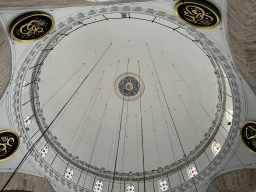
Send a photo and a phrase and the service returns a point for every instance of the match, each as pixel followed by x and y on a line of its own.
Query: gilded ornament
pixel 9 144
pixel 197 14
pixel 31 26
pixel 248 135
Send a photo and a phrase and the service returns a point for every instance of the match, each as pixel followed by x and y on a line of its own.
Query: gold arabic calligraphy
pixel 33 28
pixel 197 15
pixel 250 131
pixel 6 145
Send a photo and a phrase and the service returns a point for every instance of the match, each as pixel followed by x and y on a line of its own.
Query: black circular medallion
pixel 9 143
pixel 197 14
pixel 31 26
pixel 248 135
pixel 129 86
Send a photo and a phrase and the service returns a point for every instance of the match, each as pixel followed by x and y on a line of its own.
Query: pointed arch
pixel 43 151
pixel 69 173
pixel 163 185
pixel 192 172
pixel 130 188
pixel 98 186
pixel 216 147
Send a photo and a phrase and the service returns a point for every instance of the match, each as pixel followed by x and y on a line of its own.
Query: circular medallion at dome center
pixel 129 86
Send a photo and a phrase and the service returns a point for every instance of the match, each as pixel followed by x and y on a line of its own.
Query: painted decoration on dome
pixel 43 152
pixel 197 14
pixel 248 135
pixel 9 144
pixel 229 115
pixel 216 148
pixel 98 186
pixel 31 26
pixel 129 86
pixel 69 174
pixel 27 121
pixel 24 87
pixel 163 185
pixel 131 188
pixel 192 172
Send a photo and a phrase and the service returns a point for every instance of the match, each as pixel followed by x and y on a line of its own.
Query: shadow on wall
pixel 236 181
pixel 24 182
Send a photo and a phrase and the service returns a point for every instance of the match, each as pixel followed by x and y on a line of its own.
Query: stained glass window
pixel 24 85
pixel 192 172
pixel 163 185
pixel 98 186
pixel 43 152
pixel 216 148
pixel 69 173
pixel 130 188
pixel 229 115
pixel 27 121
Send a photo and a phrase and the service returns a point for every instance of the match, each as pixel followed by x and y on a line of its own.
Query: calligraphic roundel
pixel 197 14
pixel 248 135
pixel 31 26
pixel 9 144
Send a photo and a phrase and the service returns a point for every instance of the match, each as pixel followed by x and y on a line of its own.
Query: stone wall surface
pixel 25 182
pixel 234 181
pixel 242 36
pixel 5 62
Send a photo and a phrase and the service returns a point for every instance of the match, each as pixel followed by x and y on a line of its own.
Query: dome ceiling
pixel 178 79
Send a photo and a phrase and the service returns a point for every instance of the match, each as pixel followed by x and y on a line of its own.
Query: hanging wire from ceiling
pixel 33 146
pixel 142 143
pixel 170 114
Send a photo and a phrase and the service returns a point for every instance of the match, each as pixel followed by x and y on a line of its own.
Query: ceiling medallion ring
pixel 129 86
pixel 31 26
pixel 197 14
pixel 15 105
pixel 124 176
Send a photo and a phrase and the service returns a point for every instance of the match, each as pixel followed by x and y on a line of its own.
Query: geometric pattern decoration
pixel 130 188
pixel 197 14
pixel 216 148
pixel 192 172
pixel 43 152
pixel 129 86
pixel 69 174
pixel 98 186
pixel 27 121
pixel 163 185
pixel 31 26
pixel 24 87
pixel 229 115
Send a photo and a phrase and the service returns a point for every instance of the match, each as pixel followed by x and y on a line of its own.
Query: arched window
pixel 192 172
pixel 131 188
pixel 25 83
pixel 229 115
pixel 69 173
pixel 98 186
pixel 27 121
pixel 163 185
pixel 216 148
pixel 43 152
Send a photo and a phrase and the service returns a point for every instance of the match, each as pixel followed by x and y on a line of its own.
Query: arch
pixel 163 185
pixel 229 181
pixel 216 147
pixel 98 186
pixel 192 172
pixel 131 188
pixel 43 152
pixel 69 173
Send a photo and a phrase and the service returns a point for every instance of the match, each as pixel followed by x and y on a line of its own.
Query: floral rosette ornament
pixel 27 121
pixel 43 152
pixel 163 185
pixel 130 188
pixel 98 186
pixel 192 172
pixel 68 174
